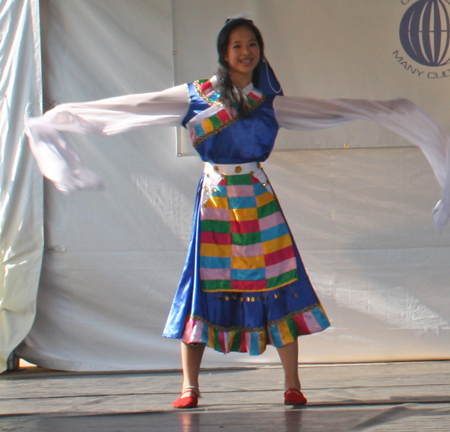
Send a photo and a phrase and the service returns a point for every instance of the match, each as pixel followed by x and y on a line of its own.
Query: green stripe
pixel 245 239
pixel 250 101
pixel 223 227
pixel 244 179
pixel 293 327
pixel 236 345
pixel 268 209
pixel 289 276
pixel 215 285
pixel 215 121
pixel 217 346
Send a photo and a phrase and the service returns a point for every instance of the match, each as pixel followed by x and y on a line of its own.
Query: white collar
pixel 246 90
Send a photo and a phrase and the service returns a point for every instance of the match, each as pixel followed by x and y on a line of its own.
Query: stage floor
pixel 397 397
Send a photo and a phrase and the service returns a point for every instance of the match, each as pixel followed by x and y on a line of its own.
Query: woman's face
pixel 242 55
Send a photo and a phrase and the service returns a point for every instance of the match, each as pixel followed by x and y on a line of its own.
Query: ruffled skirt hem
pixel 254 340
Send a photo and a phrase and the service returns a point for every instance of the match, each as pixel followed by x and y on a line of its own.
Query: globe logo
pixel 425 32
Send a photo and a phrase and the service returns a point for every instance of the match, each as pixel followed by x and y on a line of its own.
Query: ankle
pixel 189 385
pixel 190 391
pixel 290 384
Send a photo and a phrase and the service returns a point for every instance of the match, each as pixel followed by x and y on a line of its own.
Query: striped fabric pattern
pixel 245 244
pixel 212 96
pixel 207 91
pixel 221 117
pixel 254 341
pixel 207 127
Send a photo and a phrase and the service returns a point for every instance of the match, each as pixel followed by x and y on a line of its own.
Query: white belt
pixel 231 169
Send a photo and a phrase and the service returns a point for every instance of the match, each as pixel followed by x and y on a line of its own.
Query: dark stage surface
pixel 361 397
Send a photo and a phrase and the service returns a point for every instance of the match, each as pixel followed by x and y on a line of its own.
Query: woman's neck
pixel 241 81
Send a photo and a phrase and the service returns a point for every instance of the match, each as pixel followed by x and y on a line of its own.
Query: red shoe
pixel 188 401
pixel 293 396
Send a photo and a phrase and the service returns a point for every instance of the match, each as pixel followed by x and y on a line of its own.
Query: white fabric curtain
pixel 21 214
pixel 360 213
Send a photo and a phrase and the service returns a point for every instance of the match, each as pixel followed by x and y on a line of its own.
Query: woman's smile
pixel 243 55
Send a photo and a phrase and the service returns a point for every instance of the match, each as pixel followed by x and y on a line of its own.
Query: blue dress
pixel 230 297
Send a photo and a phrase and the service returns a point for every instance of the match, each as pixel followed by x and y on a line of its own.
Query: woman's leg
pixel 191 359
pixel 289 359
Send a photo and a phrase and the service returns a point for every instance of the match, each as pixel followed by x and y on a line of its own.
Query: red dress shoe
pixel 293 396
pixel 187 401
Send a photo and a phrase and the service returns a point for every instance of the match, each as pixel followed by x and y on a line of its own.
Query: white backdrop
pixel 357 198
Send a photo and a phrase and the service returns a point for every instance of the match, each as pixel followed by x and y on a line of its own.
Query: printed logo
pixel 425 37
pixel 425 33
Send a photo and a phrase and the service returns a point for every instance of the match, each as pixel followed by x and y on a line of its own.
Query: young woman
pixel 244 284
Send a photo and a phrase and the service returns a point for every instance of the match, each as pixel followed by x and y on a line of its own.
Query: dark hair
pixel 228 91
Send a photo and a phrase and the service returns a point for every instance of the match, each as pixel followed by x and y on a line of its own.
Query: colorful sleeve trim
pixel 221 117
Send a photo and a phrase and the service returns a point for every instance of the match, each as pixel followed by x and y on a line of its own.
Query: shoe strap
pixel 191 389
pixel 293 391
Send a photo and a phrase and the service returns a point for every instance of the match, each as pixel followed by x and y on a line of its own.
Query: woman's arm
pixel 399 115
pixel 104 117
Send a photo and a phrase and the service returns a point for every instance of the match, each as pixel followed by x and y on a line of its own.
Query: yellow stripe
pixel 207 249
pixel 244 214
pixel 285 333
pixel 217 202
pixel 207 126
pixel 277 244
pixel 262 341
pixel 323 311
pixel 264 199
pixel 210 337
pixel 231 335
pixel 248 262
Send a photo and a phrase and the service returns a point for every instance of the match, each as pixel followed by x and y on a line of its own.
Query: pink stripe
pixel 312 323
pixel 280 268
pixel 248 341
pixel 197 332
pixel 187 331
pixel 247 251
pixel 223 342
pixel 214 213
pixel 240 191
pixel 215 274
pixel 271 221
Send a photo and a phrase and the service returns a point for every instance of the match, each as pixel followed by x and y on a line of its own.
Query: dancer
pixel 244 279
pixel 243 285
